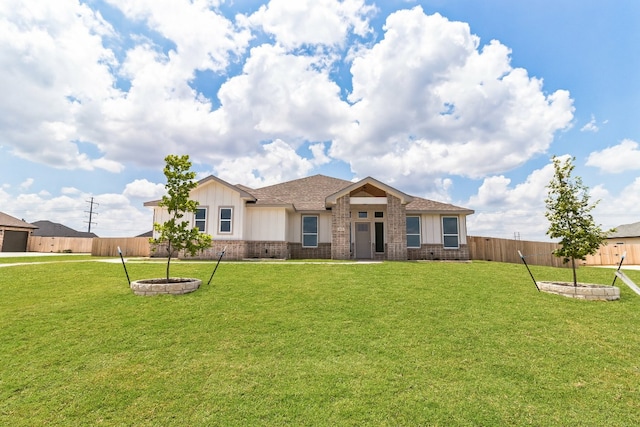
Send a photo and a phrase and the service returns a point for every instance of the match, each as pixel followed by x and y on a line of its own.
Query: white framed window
pixel 450 233
pixel 363 214
pixel 225 220
pixel 413 232
pixel 200 219
pixel 309 231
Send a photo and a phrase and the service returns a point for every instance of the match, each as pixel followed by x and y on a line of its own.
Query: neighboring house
pixel 625 234
pixel 14 233
pixel 54 229
pixel 324 217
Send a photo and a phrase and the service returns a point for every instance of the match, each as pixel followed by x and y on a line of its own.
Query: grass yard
pixel 443 344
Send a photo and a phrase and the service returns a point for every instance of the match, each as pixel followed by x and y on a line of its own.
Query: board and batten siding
pixel 214 196
pixel 266 224
pixel 294 229
pixel 432 229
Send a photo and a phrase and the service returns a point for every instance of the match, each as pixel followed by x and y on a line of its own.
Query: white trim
pixel 444 235
pixel 368 200
pixel 220 220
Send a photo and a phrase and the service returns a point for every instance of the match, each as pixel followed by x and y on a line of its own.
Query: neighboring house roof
pixel 626 230
pixel 9 221
pixel 54 229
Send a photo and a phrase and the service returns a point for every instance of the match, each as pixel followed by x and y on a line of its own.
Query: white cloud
pixel 114 215
pixel 70 191
pixel 26 184
pixel 313 22
pixel 503 209
pixel 277 162
pixel 591 126
pixel 204 39
pixel 52 64
pixel 144 189
pixel 448 109
pixel 618 158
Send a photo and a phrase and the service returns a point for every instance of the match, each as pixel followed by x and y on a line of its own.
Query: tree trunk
pixel 575 277
pixel 168 259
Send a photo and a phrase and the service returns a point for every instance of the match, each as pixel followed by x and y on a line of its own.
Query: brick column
pixel 340 220
pixel 396 229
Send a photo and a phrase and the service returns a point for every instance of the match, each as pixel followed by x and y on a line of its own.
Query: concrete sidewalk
pixel 24 254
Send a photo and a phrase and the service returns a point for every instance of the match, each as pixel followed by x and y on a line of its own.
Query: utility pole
pixel 91 213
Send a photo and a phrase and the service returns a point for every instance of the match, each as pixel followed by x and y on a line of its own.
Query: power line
pixel 91 213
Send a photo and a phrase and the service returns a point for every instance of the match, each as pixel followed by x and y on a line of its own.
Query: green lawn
pixel 470 344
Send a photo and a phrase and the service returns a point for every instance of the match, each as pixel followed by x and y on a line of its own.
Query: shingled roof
pixel 9 221
pixel 304 194
pixel 626 230
pixel 311 193
pixel 54 229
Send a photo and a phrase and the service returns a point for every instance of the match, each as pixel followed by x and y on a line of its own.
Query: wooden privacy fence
pixel 59 244
pixel 612 253
pixel 506 250
pixel 540 253
pixel 130 246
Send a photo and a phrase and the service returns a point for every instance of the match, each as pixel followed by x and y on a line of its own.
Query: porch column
pixel 340 220
pixel 396 229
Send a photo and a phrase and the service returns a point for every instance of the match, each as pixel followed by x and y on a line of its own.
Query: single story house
pixel 14 233
pixel 324 217
pixel 55 229
pixel 628 234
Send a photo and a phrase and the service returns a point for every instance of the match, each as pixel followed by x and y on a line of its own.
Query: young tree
pixel 178 234
pixel 568 212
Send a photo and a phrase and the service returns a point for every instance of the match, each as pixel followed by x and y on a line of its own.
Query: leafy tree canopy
pixel 179 234
pixel 569 215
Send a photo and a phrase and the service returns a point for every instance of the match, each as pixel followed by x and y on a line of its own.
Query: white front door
pixel 363 240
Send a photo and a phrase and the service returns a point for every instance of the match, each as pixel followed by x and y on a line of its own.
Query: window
pixel 413 231
pixel 450 237
pixel 200 219
pixel 378 214
pixel 226 219
pixel 379 237
pixel 362 215
pixel 309 231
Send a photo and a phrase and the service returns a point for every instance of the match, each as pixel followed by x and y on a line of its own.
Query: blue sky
pixel 458 101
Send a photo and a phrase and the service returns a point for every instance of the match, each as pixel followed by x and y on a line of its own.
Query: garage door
pixel 15 241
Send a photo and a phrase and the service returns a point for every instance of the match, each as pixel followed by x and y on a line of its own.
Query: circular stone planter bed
pixel 176 286
pixel 582 291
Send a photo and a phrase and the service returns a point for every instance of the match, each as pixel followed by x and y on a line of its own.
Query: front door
pixel 363 240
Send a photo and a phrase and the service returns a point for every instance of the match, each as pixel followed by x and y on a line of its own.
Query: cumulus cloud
pixel 451 108
pixel 428 100
pixel 618 158
pixel 313 22
pixel 26 184
pixel 503 209
pixel 52 64
pixel 591 126
pixel 144 189
pixel 114 214
pixel 275 163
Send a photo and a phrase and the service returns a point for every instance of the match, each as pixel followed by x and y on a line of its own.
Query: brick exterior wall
pixel 235 249
pixel 396 229
pixel 323 251
pixel 340 226
pixel 437 252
